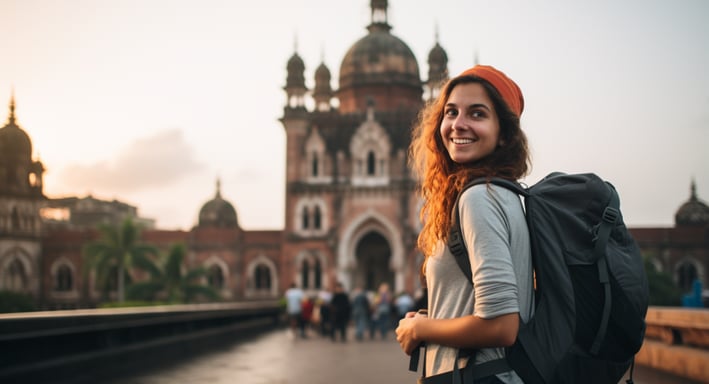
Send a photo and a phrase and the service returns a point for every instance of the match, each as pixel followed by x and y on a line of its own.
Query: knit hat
pixel 507 88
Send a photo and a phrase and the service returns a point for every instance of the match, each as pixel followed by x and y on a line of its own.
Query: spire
pixel 219 188
pixel 693 191
pixel 380 20
pixel 295 42
pixel 11 119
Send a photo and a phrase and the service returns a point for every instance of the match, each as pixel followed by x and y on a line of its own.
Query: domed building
pixel 683 250
pixel 694 212
pixel 350 210
pixel 21 199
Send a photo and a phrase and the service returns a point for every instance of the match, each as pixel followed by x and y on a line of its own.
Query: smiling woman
pixel 471 131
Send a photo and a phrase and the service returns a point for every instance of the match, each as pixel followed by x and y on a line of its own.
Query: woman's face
pixel 470 128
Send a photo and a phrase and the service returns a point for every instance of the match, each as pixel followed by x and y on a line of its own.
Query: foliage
pixel 11 301
pixel 663 290
pixel 168 281
pixel 117 247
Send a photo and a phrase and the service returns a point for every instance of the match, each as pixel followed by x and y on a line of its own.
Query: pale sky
pixel 150 101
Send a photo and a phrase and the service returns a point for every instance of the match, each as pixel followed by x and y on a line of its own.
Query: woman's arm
pixel 461 332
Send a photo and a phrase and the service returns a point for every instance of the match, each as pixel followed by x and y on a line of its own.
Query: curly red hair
pixel 441 179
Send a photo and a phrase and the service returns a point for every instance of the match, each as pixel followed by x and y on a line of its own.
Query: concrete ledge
pixel 688 362
pixel 687 326
pixel 47 346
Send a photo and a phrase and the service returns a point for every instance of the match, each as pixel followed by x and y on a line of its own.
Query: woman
pixel 471 131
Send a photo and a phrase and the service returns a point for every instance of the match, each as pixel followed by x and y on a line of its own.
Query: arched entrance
pixel 373 255
pixel 686 274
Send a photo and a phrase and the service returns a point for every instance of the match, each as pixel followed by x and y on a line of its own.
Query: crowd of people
pixel 372 314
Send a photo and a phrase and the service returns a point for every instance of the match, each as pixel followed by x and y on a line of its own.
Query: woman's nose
pixel 458 123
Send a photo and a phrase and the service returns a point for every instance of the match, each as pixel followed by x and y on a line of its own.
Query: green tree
pixel 663 290
pixel 169 280
pixel 118 249
pixel 11 301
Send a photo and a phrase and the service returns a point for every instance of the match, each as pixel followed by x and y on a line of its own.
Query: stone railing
pixel 677 342
pixel 41 346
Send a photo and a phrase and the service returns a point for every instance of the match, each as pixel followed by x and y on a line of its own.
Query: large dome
pixel 380 69
pixel 218 213
pixel 377 58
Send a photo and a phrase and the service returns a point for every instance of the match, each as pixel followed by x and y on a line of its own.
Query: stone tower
pixel 351 208
pixel 21 199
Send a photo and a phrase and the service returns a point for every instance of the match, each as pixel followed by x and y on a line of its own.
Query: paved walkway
pixel 277 358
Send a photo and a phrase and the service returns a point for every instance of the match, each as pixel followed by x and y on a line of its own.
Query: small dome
pixel 218 213
pixel 438 56
pixel 322 74
pixel 322 82
pixel 14 142
pixel 296 69
pixel 437 63
pixel 694 212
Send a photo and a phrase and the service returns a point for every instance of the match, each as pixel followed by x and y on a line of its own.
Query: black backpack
pixel 591 291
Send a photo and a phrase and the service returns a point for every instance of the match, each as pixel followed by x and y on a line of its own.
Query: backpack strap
pixel 455 235
pixel 611 214
pixel 457 247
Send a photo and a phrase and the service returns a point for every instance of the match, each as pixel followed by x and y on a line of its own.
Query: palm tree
pixel 169 279
pixel 118 247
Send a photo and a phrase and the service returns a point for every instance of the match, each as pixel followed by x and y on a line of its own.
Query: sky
pixel 150 102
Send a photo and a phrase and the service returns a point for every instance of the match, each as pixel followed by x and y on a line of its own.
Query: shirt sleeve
pixel 486 232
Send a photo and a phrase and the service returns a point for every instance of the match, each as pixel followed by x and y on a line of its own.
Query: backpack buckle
pixel 610 215
pixel 455 244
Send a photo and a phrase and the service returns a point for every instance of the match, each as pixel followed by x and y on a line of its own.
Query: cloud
pixel 154 161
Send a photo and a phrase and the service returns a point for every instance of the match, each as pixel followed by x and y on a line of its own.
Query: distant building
pixel 683 250
pixel 89 212
pixel 351 211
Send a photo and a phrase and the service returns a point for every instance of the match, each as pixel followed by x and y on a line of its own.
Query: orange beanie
pixel 507 88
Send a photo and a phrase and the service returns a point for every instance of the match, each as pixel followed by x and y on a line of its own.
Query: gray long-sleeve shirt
pixel 495 233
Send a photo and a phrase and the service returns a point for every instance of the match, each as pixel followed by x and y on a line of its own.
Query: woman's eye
pixel 477 114
pixel 451 112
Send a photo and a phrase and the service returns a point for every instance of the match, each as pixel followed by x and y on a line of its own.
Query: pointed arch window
pixel 371 164
pixel 215 277
pixel 306 218
pixel 315 165
pixel 262 277
pixel 305 274
pixel 317 275
pixel 686 274
pixel 64 280
pixel 15 224
pixel 317 219
pixel 15 277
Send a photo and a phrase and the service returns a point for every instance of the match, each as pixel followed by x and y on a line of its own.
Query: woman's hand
pixel 406 334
